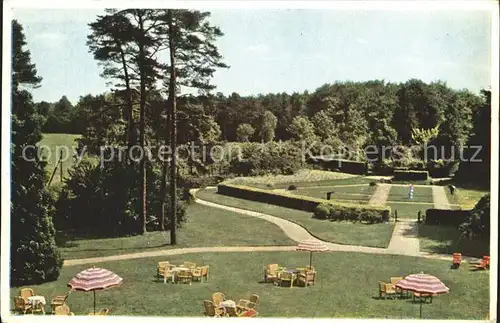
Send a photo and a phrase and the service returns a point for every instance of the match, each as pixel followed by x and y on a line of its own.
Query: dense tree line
pixel 34 257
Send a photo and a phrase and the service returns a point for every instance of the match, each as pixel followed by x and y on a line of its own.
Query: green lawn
pixel 354 193
pixel 447 240
pixel 409 210
pixel 400 194
pixel 206 227
pixel 374 235
pixel 346 287
pixel 466 198
pixel 60 145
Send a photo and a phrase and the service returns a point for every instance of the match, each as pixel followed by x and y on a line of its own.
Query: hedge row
pixel 355 214
pixel 410 175
pixel 446 217
pixel 305 203
pixel 344 165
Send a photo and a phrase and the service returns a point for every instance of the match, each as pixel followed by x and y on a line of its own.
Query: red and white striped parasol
pixel 424 284
pixel 312 245
pixel 93 279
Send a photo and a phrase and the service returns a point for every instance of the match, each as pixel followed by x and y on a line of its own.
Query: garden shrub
pixel 105 201
pixel 373 183
pixel 321 212
pixel 292 187
pixel 446 217
pixel 477 223
pixel 342 165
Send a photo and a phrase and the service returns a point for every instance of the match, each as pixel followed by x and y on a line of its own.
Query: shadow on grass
pixel 448 240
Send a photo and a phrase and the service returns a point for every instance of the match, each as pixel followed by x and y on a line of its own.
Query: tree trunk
pixel 142 130
pixel 130 127
pixel 173 137
pixel 164 173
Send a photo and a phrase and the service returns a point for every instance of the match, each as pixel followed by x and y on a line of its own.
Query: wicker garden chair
pixel 307 278
pixel 271 272
pixel 217 298
pixel 184 277
pixel 59 301
pixel 211 310
pixel 204 272
pixel 196 274
pixel 286 276
pixel 63 310
pixel 20 305
pixel 386 289
pixel 26 292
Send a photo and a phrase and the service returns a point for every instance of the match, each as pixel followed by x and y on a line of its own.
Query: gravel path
pixel 440 198
pixel 380 195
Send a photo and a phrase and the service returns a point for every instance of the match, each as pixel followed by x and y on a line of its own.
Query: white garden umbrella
pixel 312 245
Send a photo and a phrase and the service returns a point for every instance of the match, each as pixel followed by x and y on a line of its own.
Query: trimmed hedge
pixel 349 213
pixel 446 217
pixel 343 165
pixel 332 210
pixel 410 175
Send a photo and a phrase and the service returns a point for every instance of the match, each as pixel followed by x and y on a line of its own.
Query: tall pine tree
pixel 33 252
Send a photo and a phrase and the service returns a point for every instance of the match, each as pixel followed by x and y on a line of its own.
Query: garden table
pixel 175 270
pixel 294 273
pixel 37 302
pixel 227 303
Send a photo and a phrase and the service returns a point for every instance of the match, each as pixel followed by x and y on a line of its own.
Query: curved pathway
pixel 404 241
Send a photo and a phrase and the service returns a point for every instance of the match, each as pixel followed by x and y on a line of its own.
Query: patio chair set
pixel 185 273
pixel 280 276
pixel 221 306
pixel 484 264
pixel 390 290
pixel 29 302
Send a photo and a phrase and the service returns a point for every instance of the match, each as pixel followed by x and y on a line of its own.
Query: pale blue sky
pixel 288 50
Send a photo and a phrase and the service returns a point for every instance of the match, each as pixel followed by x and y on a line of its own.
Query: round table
pixel 227 303
pixel 37 302
pixel 175 270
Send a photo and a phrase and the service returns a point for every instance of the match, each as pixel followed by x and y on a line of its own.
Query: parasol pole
pixel 421 307
pixel 310 259
pixel 94 305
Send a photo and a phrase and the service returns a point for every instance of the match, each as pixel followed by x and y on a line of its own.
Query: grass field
pixel 447 240
pixel 409 210
pixel 400 194
pixel 359 194
pixel 346 287
pixel 206 227
pixel 59 145
pixel 373 235
pixel 466 198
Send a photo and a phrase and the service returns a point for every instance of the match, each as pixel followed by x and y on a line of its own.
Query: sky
pixel 272 51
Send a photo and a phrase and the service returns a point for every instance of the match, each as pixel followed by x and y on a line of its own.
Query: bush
pixel 254 159
pixel 373 183
pixel 477 224
pixel 446 217
pixel 341 165
pixel 411 175
pixel 321 212
pixel 441 168
pixel 292 187
pixel 106 201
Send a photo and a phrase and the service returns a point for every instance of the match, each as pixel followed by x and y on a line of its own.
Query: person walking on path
pixel 410 192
